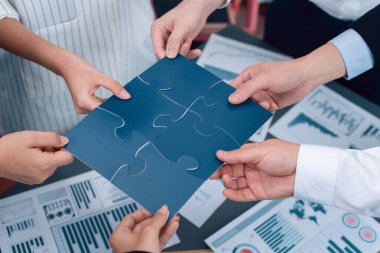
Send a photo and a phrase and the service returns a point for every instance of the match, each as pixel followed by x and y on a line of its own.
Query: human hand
pixel 83 80
pixel 141 231
pixel 174 32
pixel 31 157
pixel 275 85
pixel 258 171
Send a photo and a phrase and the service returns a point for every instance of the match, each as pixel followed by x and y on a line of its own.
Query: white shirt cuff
pixel 316 174
pixel 226 3
pixel 355 52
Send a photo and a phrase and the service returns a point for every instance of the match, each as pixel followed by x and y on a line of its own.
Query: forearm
pixel 321 66
pixel 345 178
pixel 18 40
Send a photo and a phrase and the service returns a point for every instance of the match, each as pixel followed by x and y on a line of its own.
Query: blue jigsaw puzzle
pixel 159 147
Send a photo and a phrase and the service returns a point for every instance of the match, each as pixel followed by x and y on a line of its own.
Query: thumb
pixel 116 88
pixel 245 91
pixel 239 156
pixel 46 139
pixel 158 221
pixel 174 42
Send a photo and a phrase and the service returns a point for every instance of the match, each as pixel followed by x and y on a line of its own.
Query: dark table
pixel 191 236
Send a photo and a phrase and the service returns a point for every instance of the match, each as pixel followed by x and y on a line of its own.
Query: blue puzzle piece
pixel 140 111
pixel 182 137
pixel 236 120
pixel 94 143
pixel 162 182
pixel 181 79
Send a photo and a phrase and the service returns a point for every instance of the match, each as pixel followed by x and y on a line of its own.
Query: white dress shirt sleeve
pixel 355 52
pixel 349 179
pixel 7 10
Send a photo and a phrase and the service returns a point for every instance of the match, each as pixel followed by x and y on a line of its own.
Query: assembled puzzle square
pixel 160 145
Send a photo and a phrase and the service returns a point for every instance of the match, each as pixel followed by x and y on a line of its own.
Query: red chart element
pixel 351 220
pixel 367 234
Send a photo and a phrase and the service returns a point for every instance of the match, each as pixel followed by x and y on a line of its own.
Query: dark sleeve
pixel 368 27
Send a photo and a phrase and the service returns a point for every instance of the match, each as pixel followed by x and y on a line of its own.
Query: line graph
pixel 333 113
pixel 307 122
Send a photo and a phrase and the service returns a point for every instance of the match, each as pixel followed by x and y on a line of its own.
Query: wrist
pixel 206 7
pixel 64 62
pixel 321 66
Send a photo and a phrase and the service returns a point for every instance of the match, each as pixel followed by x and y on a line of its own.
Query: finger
pixel 245 91
pixel 243 77
pixel 159 38
pixel 265 105
pixel 169 231
pixel 194 53
pixel 264 100
pixel 241 195
pixel 174 42
pixel 185 47
pixel 235 170
pixel 234 184
pixel 238 156
pixel 59 158
pixel 131 220
pixel 216 175
pixel 116 88
pixel 45 139
pixel 157 222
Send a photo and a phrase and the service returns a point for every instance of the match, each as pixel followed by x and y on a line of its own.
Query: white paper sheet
pixel 290 225
pixel 203 203
pixel 227 58
pixel 326 118
pixel 72 215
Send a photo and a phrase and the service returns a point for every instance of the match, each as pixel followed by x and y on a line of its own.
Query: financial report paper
pixel 73 215
pixel 326 118
pixel 291 225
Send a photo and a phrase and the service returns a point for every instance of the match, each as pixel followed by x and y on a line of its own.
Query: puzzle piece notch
pixel 188 79
pixel 232 115
pixel 148 102
pixel 182 138
pixel 174 189
pixel 96 152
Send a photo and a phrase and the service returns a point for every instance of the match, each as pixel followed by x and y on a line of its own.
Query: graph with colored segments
pixel 290 225
pixel 73 215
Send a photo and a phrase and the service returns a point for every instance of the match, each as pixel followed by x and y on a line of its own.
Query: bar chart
pixel 28 246
pixel 85 196
pixel 279 234
pixel 20 226
pixel 91 233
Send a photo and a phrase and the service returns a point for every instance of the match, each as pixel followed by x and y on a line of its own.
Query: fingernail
pixel 64 140
pixel 234 96
pixel 163 210
pixel 125 94
pixel 171 53
pixel 222 153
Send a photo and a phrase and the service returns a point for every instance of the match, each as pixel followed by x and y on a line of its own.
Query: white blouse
pixel 346 9
pixel 113 35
